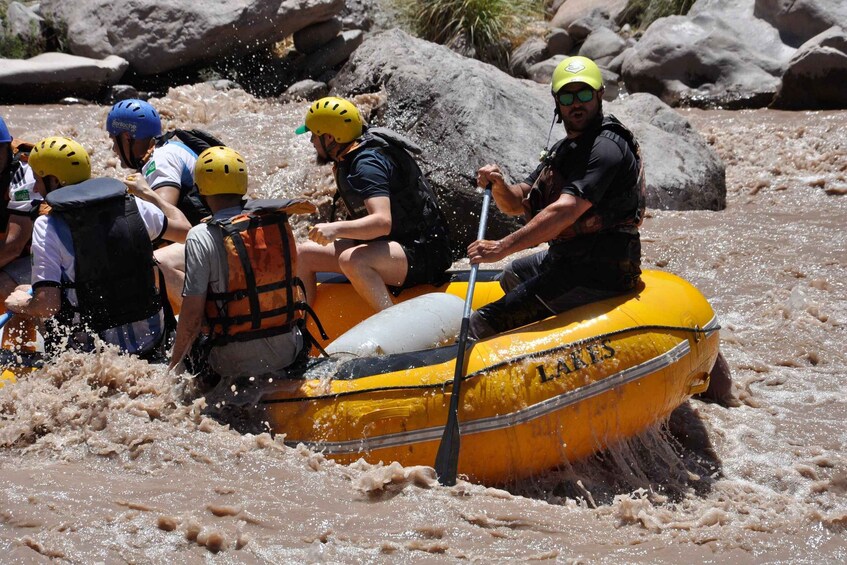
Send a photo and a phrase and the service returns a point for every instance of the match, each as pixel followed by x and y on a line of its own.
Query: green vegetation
pixel 16 47
pixel 641 13
pixel 485 29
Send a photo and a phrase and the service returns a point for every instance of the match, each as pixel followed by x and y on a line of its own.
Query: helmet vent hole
pixel 342 112
pixel 226 169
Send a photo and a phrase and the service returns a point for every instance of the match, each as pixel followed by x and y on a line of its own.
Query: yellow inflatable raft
pixel 532 399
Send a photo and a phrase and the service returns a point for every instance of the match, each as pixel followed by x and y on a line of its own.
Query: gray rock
pixel 573 10
pixel 465 113
pixel 332 54
pixel 305 90
pixel 817 75
pixel 602 46
pixel 120 92
pixel 527 54
pixel 53 76
pixel 542 72
pixel 24 22
pixel 160 35
pixel 800 20
pixel 580 29
pixel 720 56
pixel 683 172
pixel 559 42
pixel 311 38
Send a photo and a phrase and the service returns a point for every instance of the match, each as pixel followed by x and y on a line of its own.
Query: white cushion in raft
pixel 419 323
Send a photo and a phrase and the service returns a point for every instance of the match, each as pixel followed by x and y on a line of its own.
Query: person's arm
pixel 188 327
pixel 44 302
pixel 18 234
pixel 510 198
pixel 177 225
pixel 546 225
pixel 376 224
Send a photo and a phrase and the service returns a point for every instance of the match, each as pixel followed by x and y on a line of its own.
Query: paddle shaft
pixel 447 458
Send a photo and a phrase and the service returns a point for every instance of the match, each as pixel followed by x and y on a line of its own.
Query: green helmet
pixel 577 69
pixel 336 116
pixel 62 158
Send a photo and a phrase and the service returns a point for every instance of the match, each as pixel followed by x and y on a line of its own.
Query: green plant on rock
pixel 13 46
pixel 641 13
pixel 484 29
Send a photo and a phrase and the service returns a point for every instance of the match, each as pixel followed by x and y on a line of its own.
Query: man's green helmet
pixel 336 116
pixel 577 69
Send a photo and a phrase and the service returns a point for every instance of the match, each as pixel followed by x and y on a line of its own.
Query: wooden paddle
pixel 447 458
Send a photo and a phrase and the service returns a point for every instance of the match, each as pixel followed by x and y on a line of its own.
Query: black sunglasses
pixel 568 98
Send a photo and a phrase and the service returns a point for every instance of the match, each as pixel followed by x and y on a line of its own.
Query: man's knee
pixel 508 278
pixel 479 328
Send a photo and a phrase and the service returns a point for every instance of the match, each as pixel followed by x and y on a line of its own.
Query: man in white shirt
pixel 92 254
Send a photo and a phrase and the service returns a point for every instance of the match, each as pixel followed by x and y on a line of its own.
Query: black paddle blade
pixel 447 458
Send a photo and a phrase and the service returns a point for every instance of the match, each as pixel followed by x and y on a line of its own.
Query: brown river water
pixel 101 460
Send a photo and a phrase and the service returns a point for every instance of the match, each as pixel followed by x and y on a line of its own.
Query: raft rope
pixel 696 330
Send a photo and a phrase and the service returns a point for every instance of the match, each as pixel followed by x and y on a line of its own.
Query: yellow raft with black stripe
pixel 531 400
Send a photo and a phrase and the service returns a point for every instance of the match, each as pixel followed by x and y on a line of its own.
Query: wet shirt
pixel 53 264
pixel 593 167
pixel 207 269
pixel 23 199
pixel 172 164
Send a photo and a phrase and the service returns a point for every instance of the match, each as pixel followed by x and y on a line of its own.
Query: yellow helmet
pixel 62 158
pixel 335 116
pixel 220 170
pixel 577 69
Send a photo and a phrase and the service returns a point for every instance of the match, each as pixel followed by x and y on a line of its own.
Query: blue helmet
pixel 5 136
pixel 137 117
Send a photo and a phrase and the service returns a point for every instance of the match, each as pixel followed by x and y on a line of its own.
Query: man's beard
pixel 321 160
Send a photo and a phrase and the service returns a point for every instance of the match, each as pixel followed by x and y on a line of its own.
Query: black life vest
pixel 415 213
pixel 114 278
pixel 263 296
pixel 626 212
pixel 196 140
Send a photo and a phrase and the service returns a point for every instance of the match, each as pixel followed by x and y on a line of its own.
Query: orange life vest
pixel 263 296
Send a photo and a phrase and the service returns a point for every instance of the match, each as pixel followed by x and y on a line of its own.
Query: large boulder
pixel 465 113
pixel 160 35
pixel 717 55
pixel 602 46
pixel 683 172
pixel 800 20
pixel 51 76
pixel 817 75
pixel 573 10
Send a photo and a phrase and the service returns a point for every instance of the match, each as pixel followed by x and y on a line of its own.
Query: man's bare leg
pixel 371 266
pixel 171 260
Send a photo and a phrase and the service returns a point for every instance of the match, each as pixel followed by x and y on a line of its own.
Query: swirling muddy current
pixel 102 458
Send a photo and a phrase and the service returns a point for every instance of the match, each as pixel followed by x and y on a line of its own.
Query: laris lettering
pixel 577 358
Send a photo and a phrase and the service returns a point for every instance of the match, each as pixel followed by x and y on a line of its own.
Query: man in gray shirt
pixel 234 266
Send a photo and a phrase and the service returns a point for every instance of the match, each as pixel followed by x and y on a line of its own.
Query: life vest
pixel 114 277
pixel 415 214
pixel 197 141
pixel 624 214
pixel 263 296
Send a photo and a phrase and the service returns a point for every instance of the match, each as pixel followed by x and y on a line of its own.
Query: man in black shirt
pixel 586 199
pixel 395 233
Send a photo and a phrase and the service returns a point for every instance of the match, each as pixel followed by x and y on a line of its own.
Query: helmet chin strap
pixel 127 157
pixel 557 119
pixel 327 148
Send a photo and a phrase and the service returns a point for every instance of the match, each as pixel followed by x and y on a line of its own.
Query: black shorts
pixel 428 262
